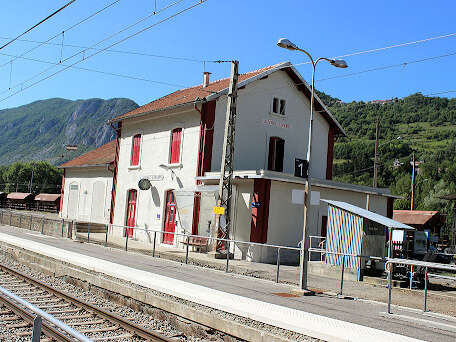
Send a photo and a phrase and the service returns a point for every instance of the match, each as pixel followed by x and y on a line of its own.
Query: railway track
pixel 95 323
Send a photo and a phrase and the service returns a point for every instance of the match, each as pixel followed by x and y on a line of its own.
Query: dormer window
pixel 278 106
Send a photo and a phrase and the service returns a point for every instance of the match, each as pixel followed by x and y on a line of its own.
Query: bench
pixel 83 227
pixel 197 242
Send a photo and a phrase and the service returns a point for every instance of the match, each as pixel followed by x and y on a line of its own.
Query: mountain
pixel 416 125
pixel 40 130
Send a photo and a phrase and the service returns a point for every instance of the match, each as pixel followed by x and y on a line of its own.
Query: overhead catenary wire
pixel 100 71
pixel 127 52
pixel 38 24
pixel 106 48
pixel 66 29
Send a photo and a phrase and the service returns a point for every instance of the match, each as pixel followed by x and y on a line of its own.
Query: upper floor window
pixel 135 150
pixel 276 152
pixel 278 106
pixel 176 137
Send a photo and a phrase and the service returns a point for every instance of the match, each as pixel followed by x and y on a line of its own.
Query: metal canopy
pixel 385 221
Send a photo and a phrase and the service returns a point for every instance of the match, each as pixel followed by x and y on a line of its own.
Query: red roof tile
pixel 104 154
pixel 415 217
pixel 189 95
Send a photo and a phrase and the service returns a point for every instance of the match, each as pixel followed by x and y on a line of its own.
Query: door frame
pixel 165 217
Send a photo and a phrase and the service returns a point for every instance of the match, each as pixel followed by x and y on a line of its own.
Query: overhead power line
pixel 128 52
pixel 440 93
pixel 65 30
pixel 450 35
pixel 82 52
pixel 112 45
pixel 39 23
pixel 98 71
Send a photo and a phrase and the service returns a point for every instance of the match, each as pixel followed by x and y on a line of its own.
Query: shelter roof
pixel 18 195
pixel 47 197
pixel 101 156
pixel 385 221
pixel 414 217
pixel 218 88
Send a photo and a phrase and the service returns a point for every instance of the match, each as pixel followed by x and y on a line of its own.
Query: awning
pixel 47 197
pixel 18 195
pixel 385 221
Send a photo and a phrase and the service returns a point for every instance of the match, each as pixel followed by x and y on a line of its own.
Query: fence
pixel 40 223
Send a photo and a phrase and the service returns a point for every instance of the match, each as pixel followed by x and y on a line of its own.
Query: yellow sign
pixel 218 210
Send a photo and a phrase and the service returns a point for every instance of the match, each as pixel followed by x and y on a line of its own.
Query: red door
pixel 170 218
pixel 131 211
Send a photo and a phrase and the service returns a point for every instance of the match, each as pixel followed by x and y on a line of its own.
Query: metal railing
pixel 416 263
pixel 43 315
pixel 211 241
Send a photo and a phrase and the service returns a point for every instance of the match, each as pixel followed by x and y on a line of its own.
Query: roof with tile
pixel 415 217
pixel 217 88
pixel 103 155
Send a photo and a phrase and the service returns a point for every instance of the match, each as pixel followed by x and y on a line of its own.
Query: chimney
pixel 206 76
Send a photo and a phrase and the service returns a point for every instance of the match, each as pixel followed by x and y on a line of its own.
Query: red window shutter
pixel 175 146
pixel 136 149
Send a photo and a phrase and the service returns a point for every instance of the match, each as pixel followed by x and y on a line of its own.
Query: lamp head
pixel 286 44
pixel 339 63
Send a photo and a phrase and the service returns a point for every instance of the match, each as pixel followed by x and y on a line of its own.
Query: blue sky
pixel 243 29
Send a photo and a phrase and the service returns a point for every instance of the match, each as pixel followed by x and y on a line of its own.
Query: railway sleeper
pixel 18 325
pixel 56 312
pixel 48 301
pixel 76 324
pixel 54 306
pixel 9 319
pixel 112 338
pixel 96 330
pixel 65 318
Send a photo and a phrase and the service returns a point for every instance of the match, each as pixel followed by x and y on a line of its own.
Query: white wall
pixel 252 133
pixel 155 148
pixel 81 206
pixel 286 218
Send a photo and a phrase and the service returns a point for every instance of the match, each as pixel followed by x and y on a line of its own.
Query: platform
pixel 324 317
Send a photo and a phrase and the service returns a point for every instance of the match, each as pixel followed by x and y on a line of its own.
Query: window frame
pixel 280 101
pixel 273 163
pixel 138 165
pixel 179 161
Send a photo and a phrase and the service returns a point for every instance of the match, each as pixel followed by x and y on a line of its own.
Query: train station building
pixel 176 142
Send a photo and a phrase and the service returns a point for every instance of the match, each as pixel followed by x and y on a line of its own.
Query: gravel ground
pixel 148 321
pixel 162 327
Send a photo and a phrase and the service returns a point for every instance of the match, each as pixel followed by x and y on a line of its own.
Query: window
pixel 135 150
pixel 276 151
pixel 278 106
pixel 176 136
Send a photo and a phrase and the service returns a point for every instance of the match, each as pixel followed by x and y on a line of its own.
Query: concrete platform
pixel 323 317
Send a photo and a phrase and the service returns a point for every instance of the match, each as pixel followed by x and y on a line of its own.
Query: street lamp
pixel 286 44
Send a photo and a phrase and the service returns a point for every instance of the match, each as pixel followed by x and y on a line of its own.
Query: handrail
pixel 426 264
pixel 207 237
pixel 59 324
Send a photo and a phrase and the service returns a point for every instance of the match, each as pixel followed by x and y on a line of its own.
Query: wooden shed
pixel 3 199
pixel 47 202
pixel 20 200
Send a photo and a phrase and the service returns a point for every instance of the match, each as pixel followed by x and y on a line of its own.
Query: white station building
pixel 176 142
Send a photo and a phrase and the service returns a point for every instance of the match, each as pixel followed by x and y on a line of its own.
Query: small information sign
pixel 218 210
pixel 301 168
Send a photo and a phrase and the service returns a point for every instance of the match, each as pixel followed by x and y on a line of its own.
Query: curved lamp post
pixel 286 44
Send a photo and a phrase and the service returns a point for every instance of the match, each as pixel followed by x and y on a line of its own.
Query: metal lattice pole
pixel 226 168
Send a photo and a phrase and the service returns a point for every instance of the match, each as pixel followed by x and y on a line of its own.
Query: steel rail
pixel 134 329
pixel 46 329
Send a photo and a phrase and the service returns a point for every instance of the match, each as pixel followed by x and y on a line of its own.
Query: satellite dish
pixel 144 184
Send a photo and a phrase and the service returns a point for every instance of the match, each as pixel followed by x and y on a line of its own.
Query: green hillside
pixel 425 126
pixel 40 130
